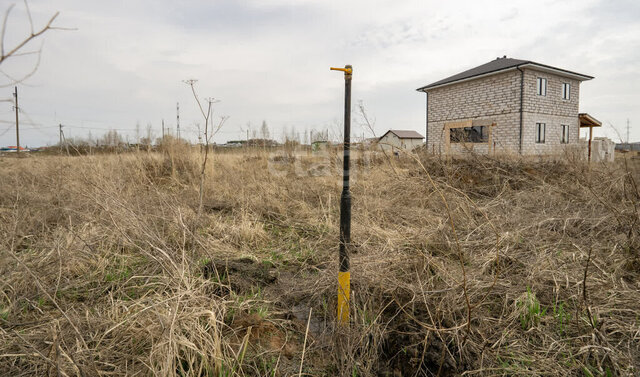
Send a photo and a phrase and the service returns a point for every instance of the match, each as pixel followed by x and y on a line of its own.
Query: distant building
pixel 234 143
pixel 13 148
pixel 628 147
pixel 509 105
pixel 400 139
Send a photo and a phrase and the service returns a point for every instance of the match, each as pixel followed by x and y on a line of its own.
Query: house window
pixel 540 132
pixel 566 91
pixel 542 86
pixel 477 134
pixel 565 134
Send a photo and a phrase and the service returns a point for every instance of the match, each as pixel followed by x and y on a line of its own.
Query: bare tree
pixel 264 130
pixel 209 131
pixel 14 51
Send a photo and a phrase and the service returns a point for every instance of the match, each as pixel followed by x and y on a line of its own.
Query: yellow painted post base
pixel 344 290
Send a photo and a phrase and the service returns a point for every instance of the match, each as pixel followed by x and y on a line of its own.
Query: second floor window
pixel 566 91
pixel 565 134
pixel 541 86
pixel 540 132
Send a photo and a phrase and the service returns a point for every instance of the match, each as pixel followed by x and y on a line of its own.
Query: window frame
pixel 566 91
pixel 540 136
pixel 472 135
pixel 541 86
pixel 564 137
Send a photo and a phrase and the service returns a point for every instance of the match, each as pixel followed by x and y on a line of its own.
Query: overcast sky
pixel 269 60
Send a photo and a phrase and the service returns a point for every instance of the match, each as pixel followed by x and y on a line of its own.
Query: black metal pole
pixel 17 127
pixel 345 198
pixel 344 276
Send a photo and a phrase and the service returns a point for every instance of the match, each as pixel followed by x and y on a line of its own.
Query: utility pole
pixel 17 124
pixel 63 138
pixel 628 141
pixel 163 130
pixel 178 119
pixel 60 134
pixel 344 276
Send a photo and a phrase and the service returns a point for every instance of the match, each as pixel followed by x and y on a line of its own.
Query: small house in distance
pixel 400 139
pixel 505 105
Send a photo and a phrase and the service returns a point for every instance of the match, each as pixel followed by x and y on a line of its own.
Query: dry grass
pixel 476 268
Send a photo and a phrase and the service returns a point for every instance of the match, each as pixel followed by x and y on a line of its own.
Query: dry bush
pixel 474 266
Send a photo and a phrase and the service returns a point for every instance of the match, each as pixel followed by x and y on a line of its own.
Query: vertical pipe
pixel 344 276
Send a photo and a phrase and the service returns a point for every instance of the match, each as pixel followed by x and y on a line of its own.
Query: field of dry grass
pixel 473 267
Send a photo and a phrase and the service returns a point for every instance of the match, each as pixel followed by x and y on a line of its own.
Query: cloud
pixel 269 59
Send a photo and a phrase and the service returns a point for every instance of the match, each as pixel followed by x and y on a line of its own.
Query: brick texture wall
pixel 550 109
pixel 496 99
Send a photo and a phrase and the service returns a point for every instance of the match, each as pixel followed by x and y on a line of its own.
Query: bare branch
pixel 14 80
pixel 4 28
pixel 33 35
pixel 26 5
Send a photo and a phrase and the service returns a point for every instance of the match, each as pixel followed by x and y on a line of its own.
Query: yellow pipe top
pixel 347 71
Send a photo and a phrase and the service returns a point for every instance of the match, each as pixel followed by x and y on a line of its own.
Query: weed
pixel 561 316
pixel 530 310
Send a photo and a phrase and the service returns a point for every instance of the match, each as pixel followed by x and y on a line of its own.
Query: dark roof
pixel 404 134
pixel 498 65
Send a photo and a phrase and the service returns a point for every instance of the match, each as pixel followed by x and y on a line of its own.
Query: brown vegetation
pixel 479 267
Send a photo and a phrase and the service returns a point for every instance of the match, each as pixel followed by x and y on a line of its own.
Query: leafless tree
pixel 16 50
pixel 209 131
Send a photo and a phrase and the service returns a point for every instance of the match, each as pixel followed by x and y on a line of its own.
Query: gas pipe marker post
pixel 344 276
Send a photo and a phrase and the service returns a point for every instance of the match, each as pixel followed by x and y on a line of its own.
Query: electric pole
pixel 344 276
pixel 628 141
pixel 163 130
pixel 60 135
pixel 17 126
pixel 178 119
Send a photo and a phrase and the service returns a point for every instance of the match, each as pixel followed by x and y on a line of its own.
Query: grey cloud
pixel 269 59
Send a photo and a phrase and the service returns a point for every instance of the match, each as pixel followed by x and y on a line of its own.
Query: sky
pixel 123 62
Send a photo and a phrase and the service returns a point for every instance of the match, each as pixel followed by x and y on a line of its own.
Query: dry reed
pixel 106 269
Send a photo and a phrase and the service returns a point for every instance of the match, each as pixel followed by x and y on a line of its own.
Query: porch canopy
pixel 587 120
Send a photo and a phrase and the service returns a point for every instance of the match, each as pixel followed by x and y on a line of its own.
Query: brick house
pixel 400 139
pixel 506 105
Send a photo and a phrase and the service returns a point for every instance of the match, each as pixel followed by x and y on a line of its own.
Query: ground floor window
pixel 477 134
pixel 540 128
pixel 565 134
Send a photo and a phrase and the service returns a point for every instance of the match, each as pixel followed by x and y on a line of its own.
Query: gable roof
pixel 501 65
pixel 404 134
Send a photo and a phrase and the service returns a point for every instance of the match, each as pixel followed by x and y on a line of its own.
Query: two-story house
pixel 506 105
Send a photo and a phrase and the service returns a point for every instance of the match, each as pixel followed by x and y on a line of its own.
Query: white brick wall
pixel 390 142
pixel 496 99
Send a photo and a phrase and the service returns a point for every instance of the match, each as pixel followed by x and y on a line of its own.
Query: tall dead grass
pixel 106 268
